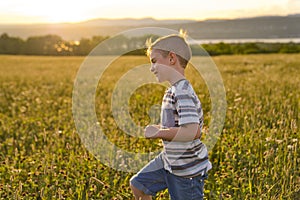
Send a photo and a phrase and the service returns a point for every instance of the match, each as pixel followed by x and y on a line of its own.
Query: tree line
pixel 54 45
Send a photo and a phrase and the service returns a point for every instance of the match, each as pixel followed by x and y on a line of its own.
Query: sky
pixel 72 11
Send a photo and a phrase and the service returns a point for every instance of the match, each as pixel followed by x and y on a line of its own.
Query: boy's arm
pixel 184 133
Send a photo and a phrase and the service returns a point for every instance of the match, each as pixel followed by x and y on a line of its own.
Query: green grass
pixel 42 156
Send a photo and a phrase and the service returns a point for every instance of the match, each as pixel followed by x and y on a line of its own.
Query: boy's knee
pixel 134 189
pixel 139 194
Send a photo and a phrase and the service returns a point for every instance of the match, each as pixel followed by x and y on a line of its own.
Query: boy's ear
pixel 173 58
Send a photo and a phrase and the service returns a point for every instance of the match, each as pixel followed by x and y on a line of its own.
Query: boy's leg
pixel 150 180
pixel 138 194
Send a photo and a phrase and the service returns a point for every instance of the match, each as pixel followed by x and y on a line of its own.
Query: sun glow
pixel 64 16
pixel 66 12
pixel 54 11
pixel 59 11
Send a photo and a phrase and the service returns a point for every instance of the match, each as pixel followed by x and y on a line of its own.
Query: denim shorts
pixel 154 178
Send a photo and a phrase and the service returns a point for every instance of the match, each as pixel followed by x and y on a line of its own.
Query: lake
pixel 245 40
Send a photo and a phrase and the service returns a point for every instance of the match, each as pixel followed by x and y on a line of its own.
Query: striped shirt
pixel 181 106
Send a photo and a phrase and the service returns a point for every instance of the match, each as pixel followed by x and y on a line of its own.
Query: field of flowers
pixel 43 157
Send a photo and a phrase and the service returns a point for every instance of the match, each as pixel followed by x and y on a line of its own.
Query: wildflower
pixel 290 147
pixel 294 140
pixel 279 141
pixel 268 139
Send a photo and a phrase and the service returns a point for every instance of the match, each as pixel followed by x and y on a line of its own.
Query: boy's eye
pixel 152 60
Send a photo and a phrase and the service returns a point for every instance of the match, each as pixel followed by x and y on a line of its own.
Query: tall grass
pixel 42 156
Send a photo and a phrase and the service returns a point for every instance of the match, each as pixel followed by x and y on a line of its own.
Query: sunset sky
pixel 56 11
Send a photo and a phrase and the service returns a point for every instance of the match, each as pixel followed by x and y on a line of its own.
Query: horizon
pixel 16 12
pixel 143 18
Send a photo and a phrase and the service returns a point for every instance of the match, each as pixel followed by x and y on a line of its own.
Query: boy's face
pixel 159 65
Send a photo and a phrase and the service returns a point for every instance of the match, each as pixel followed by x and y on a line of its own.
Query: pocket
pixel 187 188
pixel 199 185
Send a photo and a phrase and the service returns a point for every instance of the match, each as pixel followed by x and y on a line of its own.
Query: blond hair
pixel 172 43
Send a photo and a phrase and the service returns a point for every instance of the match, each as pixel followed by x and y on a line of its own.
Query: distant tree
pixel 201 50
pixel 55 45
pixel 10 45
pixel 84 47
pixel 118 45
pixel 252 48
pixel 97 40
pixel 269 47
pixel 42 45
pixel 218 49
pixel 290 48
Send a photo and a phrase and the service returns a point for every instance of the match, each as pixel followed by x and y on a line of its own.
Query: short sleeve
pixel 186 108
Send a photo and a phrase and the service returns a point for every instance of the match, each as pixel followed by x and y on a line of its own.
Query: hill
pixel 258 27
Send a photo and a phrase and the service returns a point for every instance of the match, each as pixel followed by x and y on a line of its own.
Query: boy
pixel 183 164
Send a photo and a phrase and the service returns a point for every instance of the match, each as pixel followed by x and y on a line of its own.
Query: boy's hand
pixel 151 131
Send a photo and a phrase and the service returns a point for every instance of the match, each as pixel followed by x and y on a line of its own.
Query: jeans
pixel 154 178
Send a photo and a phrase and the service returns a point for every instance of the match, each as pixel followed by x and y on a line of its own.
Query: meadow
pixel 43 157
